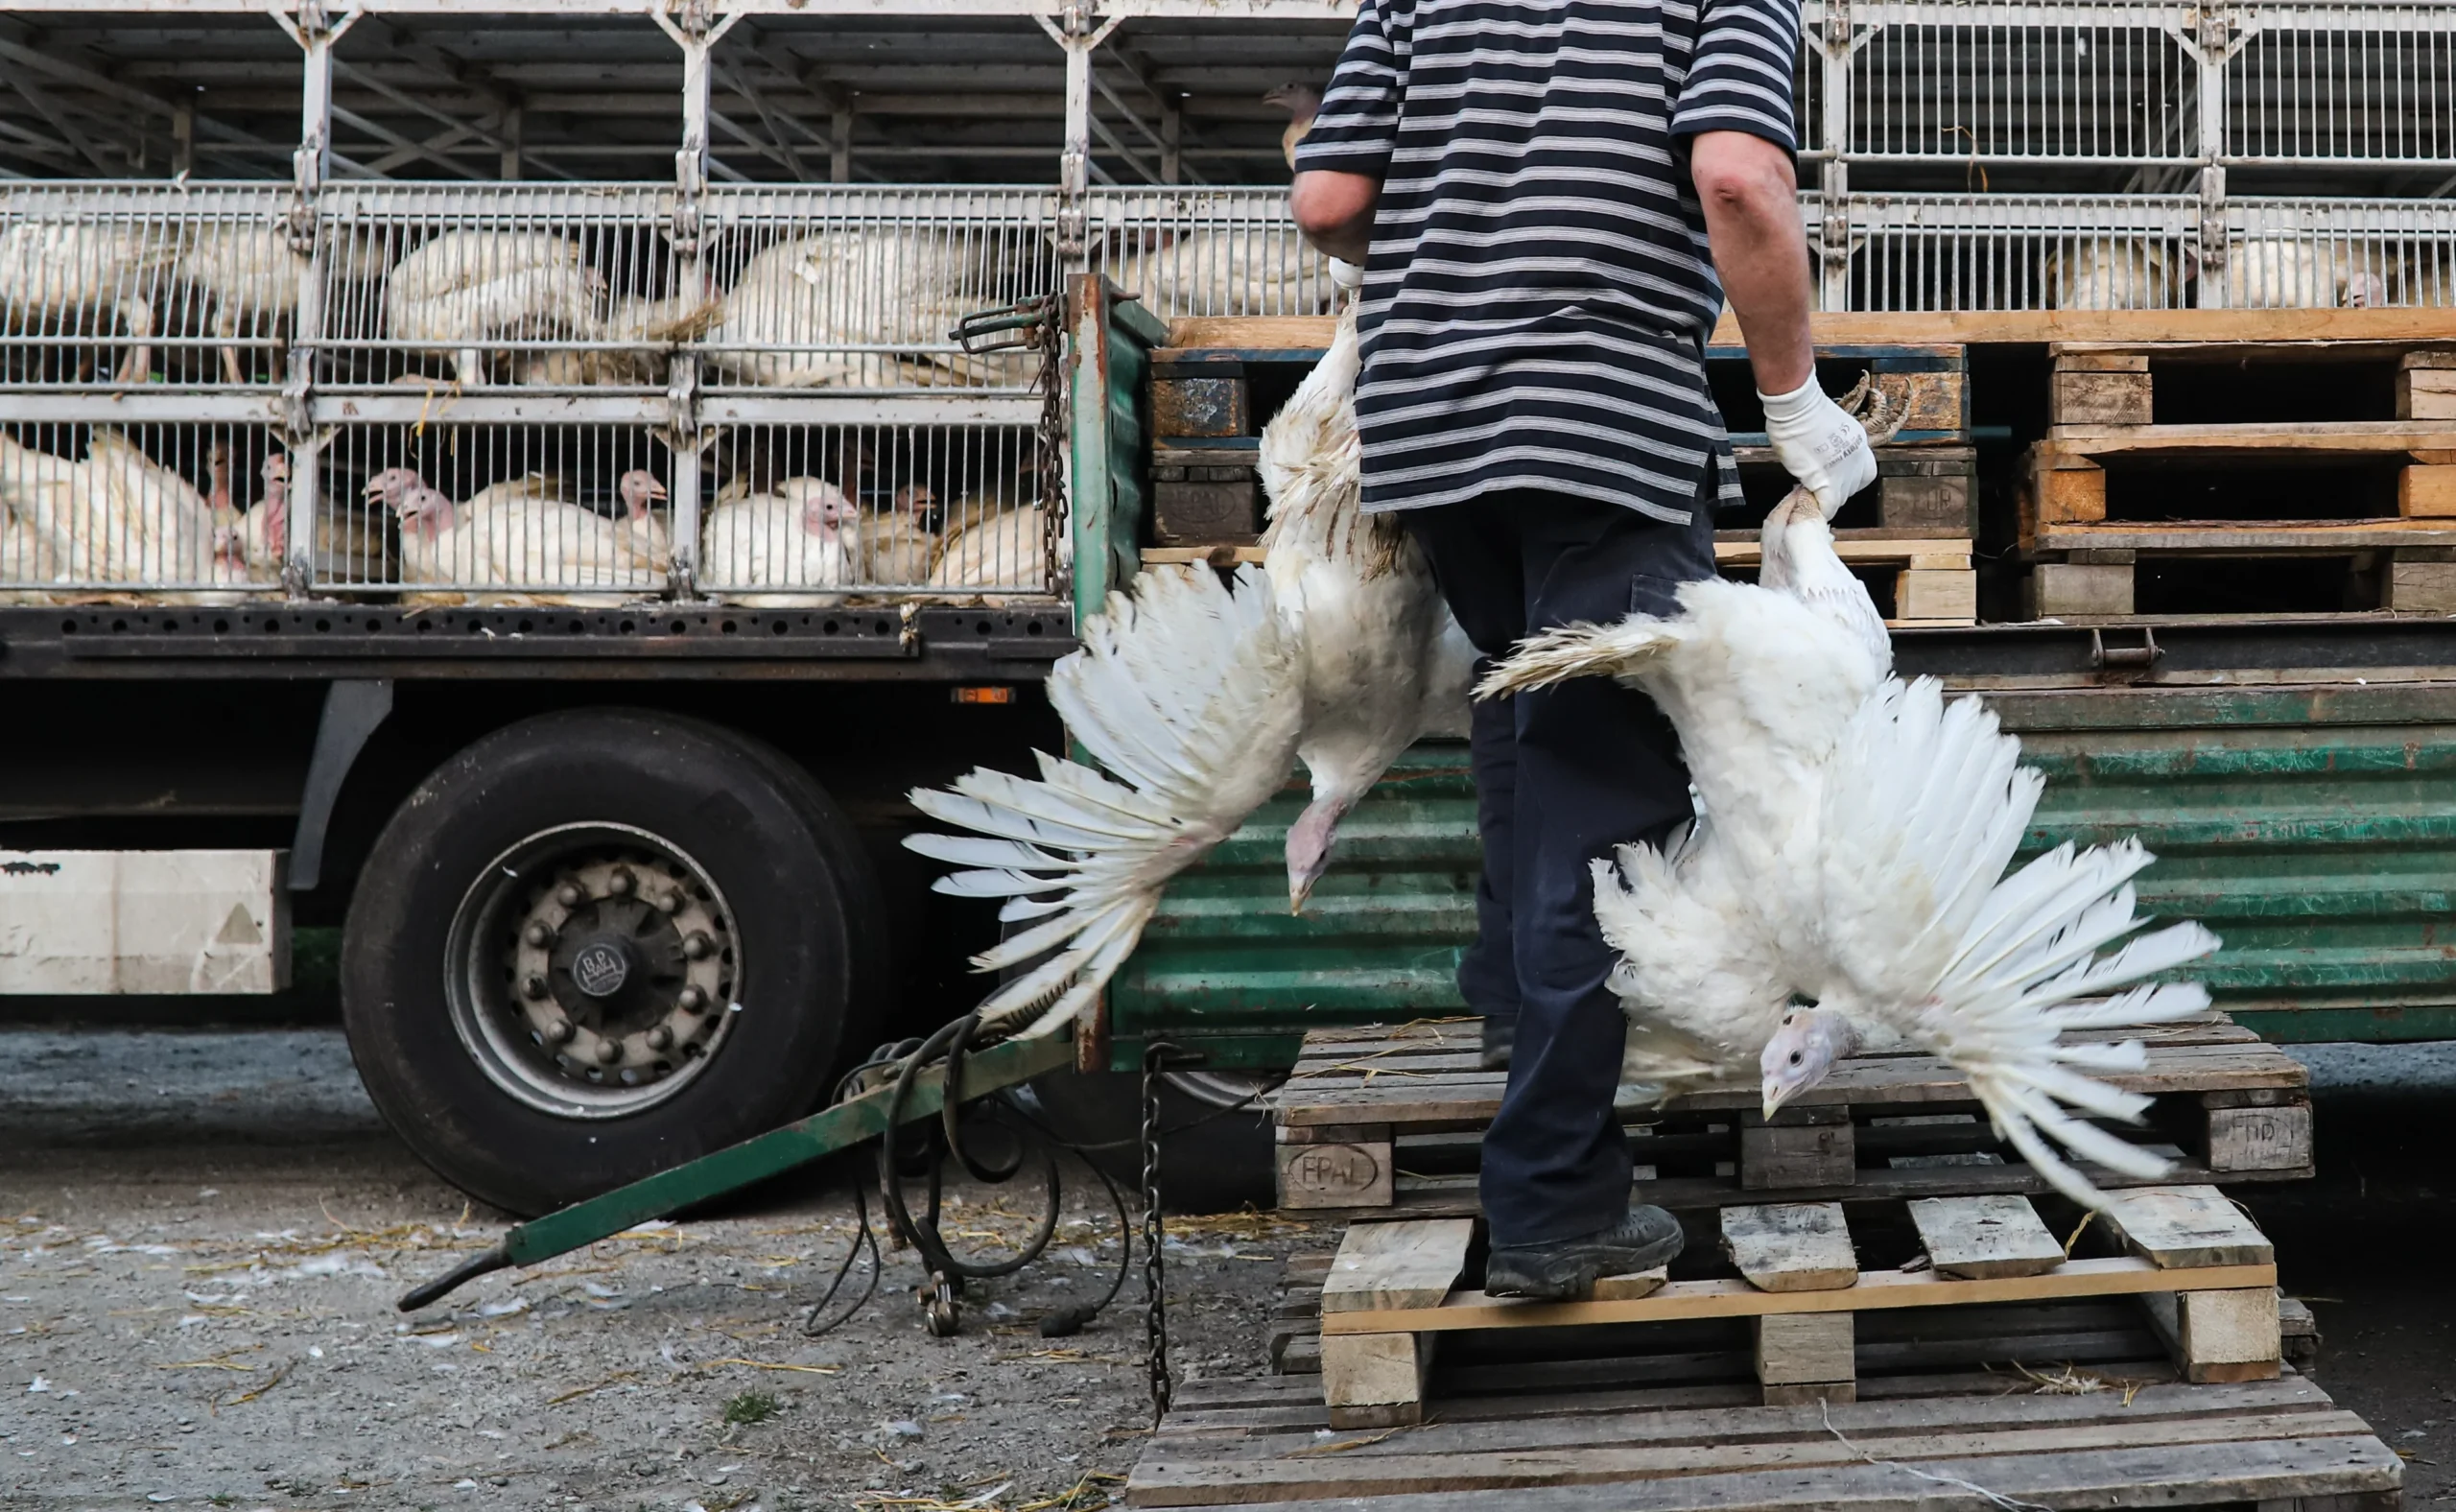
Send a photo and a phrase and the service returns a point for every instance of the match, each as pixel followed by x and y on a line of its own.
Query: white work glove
pixel 1823 449
pixel 1347 275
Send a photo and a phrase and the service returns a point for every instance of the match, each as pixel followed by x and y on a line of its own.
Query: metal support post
pixel 839 143
pixel 2213 49
pixel 695 30
pixel 1835 48
pixel 509 168
pixel 182 138
pixel 1172 140
pixel 315 32
pixel 1076 32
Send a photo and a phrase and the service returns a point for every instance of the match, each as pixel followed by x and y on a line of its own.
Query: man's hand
pixel 1334 210
pixel 1819 445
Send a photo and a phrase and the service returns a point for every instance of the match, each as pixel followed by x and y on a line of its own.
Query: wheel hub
pixel 616 971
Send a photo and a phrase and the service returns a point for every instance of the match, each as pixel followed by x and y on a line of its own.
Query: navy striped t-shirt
pixel 1540 291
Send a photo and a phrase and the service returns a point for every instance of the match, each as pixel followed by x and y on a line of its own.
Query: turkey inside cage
pixel 1208 253
pixel 91 510
pixel 799 512
pixel 2021 252
pixel 855 289
pixel 495 285
pixel 495 513
pixel 2318 254
pixel 108 284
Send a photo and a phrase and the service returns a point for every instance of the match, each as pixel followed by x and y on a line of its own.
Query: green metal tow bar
pixel 833 1128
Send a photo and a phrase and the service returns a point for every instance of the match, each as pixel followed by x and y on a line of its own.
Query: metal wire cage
pixel 522 285
pixel 2331 84
pixel 128 283
pixel 2308 252
pixel 92 512
pixel 804 512
pixel 568 513
pixel 1208 253
pixel 1990 85
pixel 2022 251
pixel 862 289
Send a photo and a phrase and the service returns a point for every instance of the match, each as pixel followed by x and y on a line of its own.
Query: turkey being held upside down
pixel 1850 851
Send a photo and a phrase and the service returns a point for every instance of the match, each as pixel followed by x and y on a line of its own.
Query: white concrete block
pixel 112 921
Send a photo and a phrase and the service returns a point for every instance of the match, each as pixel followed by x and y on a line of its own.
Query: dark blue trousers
pixel 1562 777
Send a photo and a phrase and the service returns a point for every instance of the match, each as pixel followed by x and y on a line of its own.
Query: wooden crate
pixel 2205 1275
pixel 1391 1118
pixel 1930 491
pixel 1928 382
pixel 1911 1443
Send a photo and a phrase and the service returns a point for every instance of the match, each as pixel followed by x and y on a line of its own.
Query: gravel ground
pixel 202 1237
pixel 201 1234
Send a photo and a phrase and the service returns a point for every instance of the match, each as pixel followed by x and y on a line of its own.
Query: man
pixel 1540 193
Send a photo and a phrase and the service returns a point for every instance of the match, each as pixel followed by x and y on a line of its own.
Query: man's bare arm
pixel 1752 223
pixel 1334 210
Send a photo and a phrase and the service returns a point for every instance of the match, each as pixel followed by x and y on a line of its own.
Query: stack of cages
pixel 566 394
pixel 143 361
pixel 2105 155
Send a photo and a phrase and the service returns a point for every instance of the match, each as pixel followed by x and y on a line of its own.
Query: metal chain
pixel 1050 337
pixel 1155 1297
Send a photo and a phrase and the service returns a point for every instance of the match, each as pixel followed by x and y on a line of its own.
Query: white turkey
pixel 860 308
pixel 1189 698
pixel 252 277
pixel 1825 793
pixel 1263 268
pixel 349 546
pixel 899 546
pixel 56 274
pixel 2111 272
pixel 523 536
pixel 803 535
pixel 117 517
pixel 2284 273
pixel 1175 683
pixel 1924 941
pixel 1008 548
pixel 461 294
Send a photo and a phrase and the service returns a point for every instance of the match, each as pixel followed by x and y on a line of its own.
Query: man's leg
pixel 1488 969
pixel 1597 767
pixel 1475 559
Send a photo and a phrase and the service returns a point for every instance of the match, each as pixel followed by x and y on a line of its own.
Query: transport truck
pixel 603 857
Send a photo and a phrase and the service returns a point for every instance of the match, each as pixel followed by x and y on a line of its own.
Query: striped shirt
pixel 1540 292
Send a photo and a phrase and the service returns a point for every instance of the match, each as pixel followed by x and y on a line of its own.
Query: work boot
pixel 1565 1270
pixel 1499 1034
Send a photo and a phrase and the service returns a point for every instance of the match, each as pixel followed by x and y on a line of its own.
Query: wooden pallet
pixel 1911 1443
pixel 2068 1333
pixel 2081 572
pixel 1380 1118
pixel 1928 385
pixel 2132 384
pixel 2206 1277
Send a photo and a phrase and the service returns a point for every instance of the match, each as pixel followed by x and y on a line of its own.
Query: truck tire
pixel 600 943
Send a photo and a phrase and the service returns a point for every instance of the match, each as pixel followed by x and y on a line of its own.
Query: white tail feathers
pixel 1187 695
pixel 1928 803
pixel 1579 650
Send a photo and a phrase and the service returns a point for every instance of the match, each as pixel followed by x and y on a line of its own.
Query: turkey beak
pixel 1776 1095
